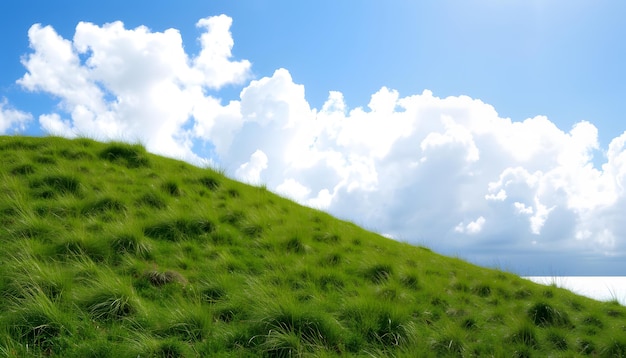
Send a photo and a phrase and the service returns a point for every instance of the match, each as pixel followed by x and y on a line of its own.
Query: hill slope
pixel 108 251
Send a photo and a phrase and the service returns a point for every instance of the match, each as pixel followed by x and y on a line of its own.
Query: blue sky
pixel 479 128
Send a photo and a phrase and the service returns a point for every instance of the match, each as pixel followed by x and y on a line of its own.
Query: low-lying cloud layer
pixel 449 173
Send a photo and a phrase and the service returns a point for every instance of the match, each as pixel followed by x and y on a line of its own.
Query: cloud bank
pixel 449 173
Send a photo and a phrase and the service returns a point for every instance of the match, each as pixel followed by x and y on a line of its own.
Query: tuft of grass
pixel 23 169
pixel 543 314
pixel 209 182
pixel 558 340
pixel 288 330
pixel 132 244
pixel 378 273
pixel 110 305
pixel 102 205
pixel 525 335
pixel 295 245
pixel 160 278
pixel 410 281
pixel 152 200
pixel 190 324
pixel 50 186
pixel 482 290
pixel 130 155
pixel 172 188
pixel 179 229
pixel 39 323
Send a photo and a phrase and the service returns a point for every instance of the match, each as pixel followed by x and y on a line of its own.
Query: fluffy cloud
pixel 446 172
pixel 251 171
pixel 130 84
pixel 12 119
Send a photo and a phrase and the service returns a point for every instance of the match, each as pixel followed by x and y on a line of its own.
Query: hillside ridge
pixel 110 251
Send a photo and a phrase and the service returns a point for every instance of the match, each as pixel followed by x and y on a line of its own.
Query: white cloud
pixel 472 228
pixel 293 189
pixel 420 167
pixel 12 119
pixel 131 84
pixel 250 171
pixel 214 59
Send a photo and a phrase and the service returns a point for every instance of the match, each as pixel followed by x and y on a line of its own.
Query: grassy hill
pixel 108 251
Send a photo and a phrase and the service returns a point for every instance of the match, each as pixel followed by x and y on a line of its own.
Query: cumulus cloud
pixel 473 227
pixel 450 172
pixel 251 171
pixel 11 119
pixel 131 84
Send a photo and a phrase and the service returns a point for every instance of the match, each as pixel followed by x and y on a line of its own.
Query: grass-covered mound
pixel 108 251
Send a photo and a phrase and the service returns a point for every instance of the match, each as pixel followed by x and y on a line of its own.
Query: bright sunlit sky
pixel 489 130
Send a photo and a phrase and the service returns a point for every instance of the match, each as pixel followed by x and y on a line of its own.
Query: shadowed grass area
pixel 109 251
pixel 133 156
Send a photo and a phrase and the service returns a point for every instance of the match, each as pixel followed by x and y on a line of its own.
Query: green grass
pixel 109 251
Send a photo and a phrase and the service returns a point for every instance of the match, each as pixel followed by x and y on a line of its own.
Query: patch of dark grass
pixel 102 205
pixel 152 200
pixel 209 182
pixel 221 237
pixel 37 328
pixel 593 321
pixel 439 302
pixel 333 259
pixel 543 314
pixel 330 282
pixel 131 244
pixel 461 287
pixel 522 293
pixel 377 324
pixel 130 155
pixel 614 312
pixel 17 143
pixel 212 294
pixel 38 230
pixel 558 340
pixel 172 188
pixel 290 331
pixel 294 245
pixel 378 273
pixel 614 349
pixel 77 247
pixel 233 193
pixel 448 345
pixel 106 306
pixel 161 278
pixel 52 185
pixel 410 281
pixel 482 290
pixel 233 217
pixel 44 159
pixel 190 326
pixel 525 335
pixel 327 237
pixel 469 324
pixel 24 169
pixel 56 211
pixel 179 229
pixel 230 313
pixel 171 348
pixel 75 154
pixel 252 230
pixel 586 347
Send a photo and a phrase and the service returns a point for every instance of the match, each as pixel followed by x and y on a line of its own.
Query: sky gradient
pixel 486 130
